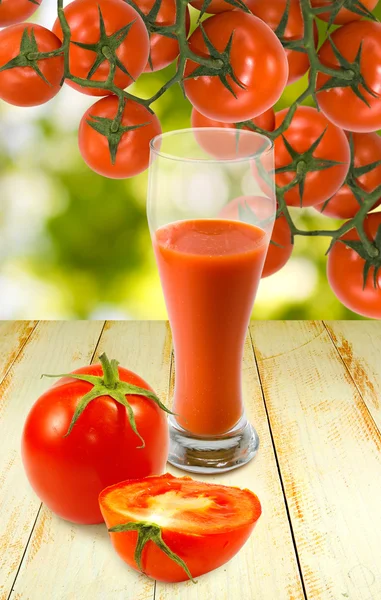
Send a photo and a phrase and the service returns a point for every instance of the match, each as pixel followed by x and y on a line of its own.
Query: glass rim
pixel 175 157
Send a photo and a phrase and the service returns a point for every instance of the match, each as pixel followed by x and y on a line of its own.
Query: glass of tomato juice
pixel 211 209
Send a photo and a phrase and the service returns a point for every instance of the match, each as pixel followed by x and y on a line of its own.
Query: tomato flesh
pixel 15 11
pixel 205 524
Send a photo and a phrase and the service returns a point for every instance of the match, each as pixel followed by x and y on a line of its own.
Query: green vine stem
pixel 178 29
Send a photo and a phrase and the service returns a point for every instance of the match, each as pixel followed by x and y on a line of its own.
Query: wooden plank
pixel 328 449
pixel 72 562
pixel 266 567
pixel 52 348
pixel 359 345
pixel 13 336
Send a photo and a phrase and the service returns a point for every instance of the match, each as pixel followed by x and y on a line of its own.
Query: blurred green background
pixel 76 245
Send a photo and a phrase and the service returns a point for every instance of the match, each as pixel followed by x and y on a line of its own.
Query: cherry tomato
pixel 345 271
pixel 68 472
pixel 306 127
pixel 83 17
pixel 340 104
pixel 215 6
pixel 132 156
pixel 271 13
pixel 203 524
pixel 280 251
pixel 258 61
pixel 24 86
pixel 344 15
pixel 227 147
pixel 16 11
pixel 163 49
pixel 343 204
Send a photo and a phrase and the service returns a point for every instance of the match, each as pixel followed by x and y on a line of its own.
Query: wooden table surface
pixel 313 391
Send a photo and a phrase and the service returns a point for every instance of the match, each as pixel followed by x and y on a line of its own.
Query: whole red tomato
pixel 132 152
pixel 34 84
pixel 343 204
pixel 345 15
pixel 163 49
pixel 280 251
pixel 69 470
pixel 15 11
pixel 125 37
pixel 340 104
pixel 320 184
pixel 185 527
pixel 346 275
pixel 258 63
pixel 271 12
pixel 226 146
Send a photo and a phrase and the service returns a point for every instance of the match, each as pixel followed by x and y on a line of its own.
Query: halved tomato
pixel 175 528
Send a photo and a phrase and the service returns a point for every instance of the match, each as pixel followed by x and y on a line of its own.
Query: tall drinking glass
pixel 211 208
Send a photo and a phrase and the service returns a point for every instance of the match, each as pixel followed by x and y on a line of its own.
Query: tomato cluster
pixel 233 69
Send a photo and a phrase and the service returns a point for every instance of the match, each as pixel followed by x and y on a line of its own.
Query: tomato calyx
pixel 349 75
pixel 28 55
pixel 354 6
pixel 296 45
pixel 105 48
pixel 370 261
pixel 305 162
pixel 222 63
pixel 150 532
pixel 112 129
pixel 110 385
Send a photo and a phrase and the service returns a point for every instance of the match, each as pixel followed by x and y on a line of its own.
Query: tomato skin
pixel 133 151
pixel 68 473
pixel 343 205
pixel 16 11
pixel 278 255
pixel 344 15
pixel 202 551
pixel 215 7
pixel 83 19
pixel 22 86
pixel 265 120
pixel 271 13
pixel 258 61
pixel 163 50
pixel 306 126
pixel 341 105
pixel 345 273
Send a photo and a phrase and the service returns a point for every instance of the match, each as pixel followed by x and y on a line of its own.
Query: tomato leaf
pixel 149 532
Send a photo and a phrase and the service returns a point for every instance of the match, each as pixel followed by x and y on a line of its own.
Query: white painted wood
pixel 328 449
pixel 359 345
pixel 265 568
pixel 53 347
pixel 71 562
pixel 13 336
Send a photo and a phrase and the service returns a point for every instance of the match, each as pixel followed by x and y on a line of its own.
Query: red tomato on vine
pixel 280 248
pixel 315 152
pixel 214 7
pixel 367 151
pixel 341 14
pixel 163 48
pixel 359 44
pixel 255 68
pixel 70 457
pixel 354 278
pixel 271 12
pixel 16 11
pixel 25 81
pixel 127 154
pixel 102 29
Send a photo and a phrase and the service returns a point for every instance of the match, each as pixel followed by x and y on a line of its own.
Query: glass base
pixel 212 455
